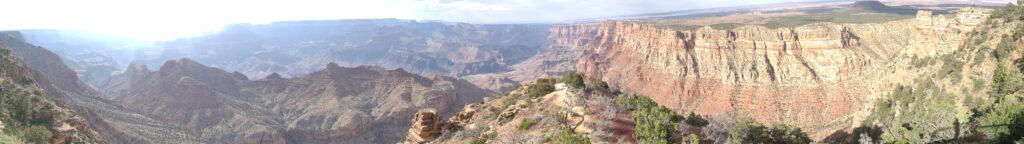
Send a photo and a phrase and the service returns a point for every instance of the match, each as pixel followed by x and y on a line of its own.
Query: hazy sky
pixel 163 19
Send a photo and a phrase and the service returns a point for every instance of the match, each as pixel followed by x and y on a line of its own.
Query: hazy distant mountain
pixel 332 105
pixel 92 56
pixel 300 47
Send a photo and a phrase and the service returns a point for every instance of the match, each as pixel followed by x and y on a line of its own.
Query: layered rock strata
pixel 426 127
pixel 814 76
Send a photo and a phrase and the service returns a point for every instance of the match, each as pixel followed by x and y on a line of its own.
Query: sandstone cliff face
pixel 814 76
pixel 334 105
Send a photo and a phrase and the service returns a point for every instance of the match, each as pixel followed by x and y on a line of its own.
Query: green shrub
pixel 478 141
pixel 1006 119
pixel 574 80
pixel 37 134
pixel 540 88
pixel 508 102
pixel 7 139
pixel 598 83
pixel 903 95
pixel 980 56
pixel 786 134
pixel 1006 80
pixel 951 67
pixel 921 62
pixel 20 108
pixel 569 137
pixel 526 124
pixel 1009 12
pixel 883 109
pixel 694 139
pixel 862 134
pixel 555 118
pixel 749 131
pixel 1005 47
pixel 696 120
pixel 899 134
pixel 634 102
pixel 654 124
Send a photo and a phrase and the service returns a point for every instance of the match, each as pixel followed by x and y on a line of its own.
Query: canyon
pixel 826 79
pixel 335 104
pixel 299 47
pixel 185 101
pixel 368 81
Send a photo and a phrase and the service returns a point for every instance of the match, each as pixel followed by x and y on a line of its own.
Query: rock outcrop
pixel 936 34
pixel 426 126
pixel 814 76
pixel 515 118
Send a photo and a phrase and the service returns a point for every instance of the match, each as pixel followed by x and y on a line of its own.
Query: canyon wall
pixel 814 76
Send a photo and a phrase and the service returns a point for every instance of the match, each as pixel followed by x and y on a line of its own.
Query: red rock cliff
pixel 810 76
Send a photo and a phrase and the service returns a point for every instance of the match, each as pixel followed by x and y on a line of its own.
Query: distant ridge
pixel 876 6
pixel 870 5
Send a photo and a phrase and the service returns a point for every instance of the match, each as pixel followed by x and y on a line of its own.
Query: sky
pixel 168 19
